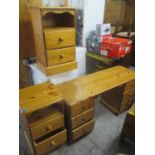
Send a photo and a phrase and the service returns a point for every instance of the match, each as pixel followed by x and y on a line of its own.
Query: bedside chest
pixel 55 33
pixel 42 108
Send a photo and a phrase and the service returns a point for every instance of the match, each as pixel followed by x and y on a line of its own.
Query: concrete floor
pixel 103 140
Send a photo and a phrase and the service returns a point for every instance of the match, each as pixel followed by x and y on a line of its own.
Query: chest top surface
pixel 38 96
pixel 94 84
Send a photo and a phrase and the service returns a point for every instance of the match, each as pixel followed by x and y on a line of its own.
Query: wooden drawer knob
pixel 84 107
pixel 61 56
pixel 49 128
pixel 83 119
pixel 61 39
pixel 52 143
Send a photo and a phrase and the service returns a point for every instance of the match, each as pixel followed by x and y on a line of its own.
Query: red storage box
pixel 115 47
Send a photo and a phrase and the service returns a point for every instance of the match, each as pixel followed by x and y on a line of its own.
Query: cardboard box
pixel 115 47
pixel 103 29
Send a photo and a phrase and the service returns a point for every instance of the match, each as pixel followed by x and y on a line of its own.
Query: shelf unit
pixel 55 32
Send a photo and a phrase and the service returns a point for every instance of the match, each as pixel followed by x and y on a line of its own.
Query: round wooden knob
pixel 49 128
pixel 52 143
pixel 83 107
pixel 60 39
pixel 61 56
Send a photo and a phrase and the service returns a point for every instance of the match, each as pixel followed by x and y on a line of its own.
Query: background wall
pixel 93 14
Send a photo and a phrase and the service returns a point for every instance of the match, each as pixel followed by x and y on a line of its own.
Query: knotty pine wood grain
pixel 94 84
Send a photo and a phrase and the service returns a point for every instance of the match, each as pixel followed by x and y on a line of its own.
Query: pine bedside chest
pixel 54 33
pixel 42 108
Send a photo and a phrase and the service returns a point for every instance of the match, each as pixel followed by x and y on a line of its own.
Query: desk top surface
pixel 38 96
pixel 94 84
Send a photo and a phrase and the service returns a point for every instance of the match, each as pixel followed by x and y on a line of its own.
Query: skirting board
pixel 51 70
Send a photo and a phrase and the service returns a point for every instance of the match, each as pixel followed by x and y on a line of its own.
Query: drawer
pixel 49 144
pixel 81 107
pixel 128 97
pixel 56 69
pixel 47 127
pixel 82 130
pixel 59 56
pixel 130 85
pixel 82 118
pixel 58 38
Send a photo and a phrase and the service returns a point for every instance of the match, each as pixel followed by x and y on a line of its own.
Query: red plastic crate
pixel 115 47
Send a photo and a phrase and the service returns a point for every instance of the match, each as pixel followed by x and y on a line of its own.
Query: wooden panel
pixel 128 96
pixel 26 42
pixel 60 56
pixel 95 83
pixel 51 70
pixel 58 38
pixel 35 3
pixel 82 130
pixel 51 143
pixel 129 85
pixel 38 96
pixel 38 35
pixel 82 118
pixel 114 11
pixel 81 107
pixel 113 97
pixel 48 126
pixel 58 10
pixel 43 115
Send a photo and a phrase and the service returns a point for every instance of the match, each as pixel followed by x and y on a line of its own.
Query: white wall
pixel 93 14
pixel 76 3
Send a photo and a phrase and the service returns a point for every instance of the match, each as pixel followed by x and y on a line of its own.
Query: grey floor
pixel 103 140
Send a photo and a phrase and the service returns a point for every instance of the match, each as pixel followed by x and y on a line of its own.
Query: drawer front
pixel 59 38
pixel 81 107
pixel 51 143
pixel 128 97
pixel 60 56
pixel 47 126
pixel 130 85
pixel 82 118
pixel 82 130
pixel 60 68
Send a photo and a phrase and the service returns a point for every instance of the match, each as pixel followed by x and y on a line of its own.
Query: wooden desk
pixel 42 107
pixel 79 96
